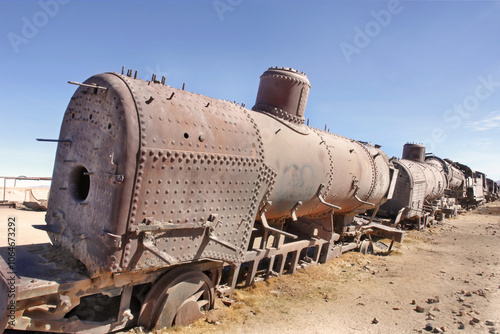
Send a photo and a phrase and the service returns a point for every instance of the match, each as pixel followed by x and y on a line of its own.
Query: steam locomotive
pixel 162 199
pixel 429 188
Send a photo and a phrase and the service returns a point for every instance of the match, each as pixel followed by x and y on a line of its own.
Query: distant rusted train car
pixel 161 197
pixel 427 188
pixel 475 186
pixel 492 192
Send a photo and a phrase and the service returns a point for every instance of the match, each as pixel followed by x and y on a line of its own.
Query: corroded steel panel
pixel 94 173
pixel 201 160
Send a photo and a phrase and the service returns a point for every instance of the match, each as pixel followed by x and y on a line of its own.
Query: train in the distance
pixel 162 199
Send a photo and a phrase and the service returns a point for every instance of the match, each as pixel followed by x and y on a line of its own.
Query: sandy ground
pixel 20 194
pixel 449 272
pixel 25 233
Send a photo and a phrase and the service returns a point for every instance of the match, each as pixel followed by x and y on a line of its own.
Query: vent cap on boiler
pixel 415 152
pixel 283 93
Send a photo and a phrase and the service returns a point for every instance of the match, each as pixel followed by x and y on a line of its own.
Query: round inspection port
pixel 79 183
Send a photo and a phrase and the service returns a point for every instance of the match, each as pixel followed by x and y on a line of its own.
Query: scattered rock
pixel 419 309
pixel 429 327
pixel 413 301
pixel 480 292
pixel 139 330
pixel 461 325
pixel 468 294
pixel 397 309
pixel 374 321
pixel 475 320
pixel 433 300
pixel 489 323
pixel 215 316
pixel 227 301
pixel 437 330
pixel 460 299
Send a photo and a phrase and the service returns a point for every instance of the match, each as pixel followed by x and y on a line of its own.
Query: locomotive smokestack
pixel 415 152
pixel 283 93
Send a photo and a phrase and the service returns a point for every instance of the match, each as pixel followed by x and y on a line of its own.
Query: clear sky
pixel 383 72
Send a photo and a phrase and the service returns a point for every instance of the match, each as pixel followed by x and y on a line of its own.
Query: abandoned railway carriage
pixel 475 184
pixel 427 188
pixel 166 196
pixel 419 184
pixel 492 191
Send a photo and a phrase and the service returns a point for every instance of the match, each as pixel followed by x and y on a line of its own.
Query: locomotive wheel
pixel 178 298
pixel 366 247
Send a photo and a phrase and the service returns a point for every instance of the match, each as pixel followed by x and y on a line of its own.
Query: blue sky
pixel 383 72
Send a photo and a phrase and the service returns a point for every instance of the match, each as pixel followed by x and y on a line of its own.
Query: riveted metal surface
pixel 355 169
pixel 456 178
pixel 413 152
pixel 93 173
pixel 410 189
pixel 382 167
pixel 283 93
pixel 199 157
pixel 298 167
pixel 305 160
pixel 418 184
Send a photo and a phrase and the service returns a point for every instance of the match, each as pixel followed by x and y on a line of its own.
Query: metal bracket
pixel 151 225
pixel 148 242
pixel 112 239
pixel 209 232
pixel 394 176
pixel 54 140
pixel 118 178
pixel 87 85
pixel 294 216
pixel 356 189
pixel 322 200
pixel 266 225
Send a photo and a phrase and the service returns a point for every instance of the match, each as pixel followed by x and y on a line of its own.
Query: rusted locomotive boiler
pixel 492 190
pixel 426 188
pixel 448 204
pixel 475 184
pixel 166 196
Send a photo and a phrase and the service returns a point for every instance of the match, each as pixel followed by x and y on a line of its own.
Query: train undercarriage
pixel 51 291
